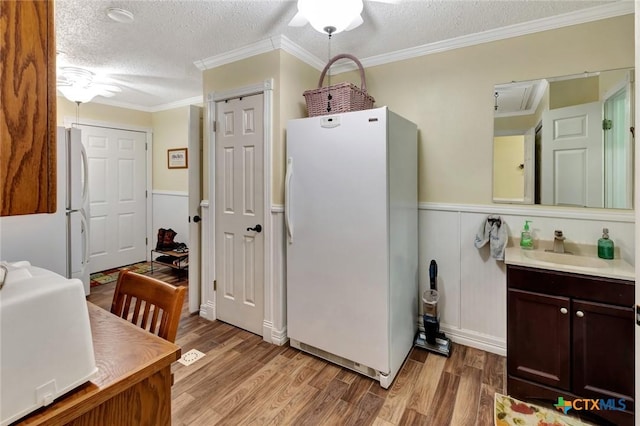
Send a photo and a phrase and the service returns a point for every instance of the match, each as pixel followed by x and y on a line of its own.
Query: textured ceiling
pixel 152 59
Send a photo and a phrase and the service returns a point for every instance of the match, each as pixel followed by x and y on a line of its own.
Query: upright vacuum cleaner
pixel 432 339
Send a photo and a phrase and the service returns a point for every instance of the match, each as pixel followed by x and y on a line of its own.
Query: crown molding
pixel 584 16
pixel 177 104
pixel 156 108
pixel 304 55
pixel 258 48
pixel 610 10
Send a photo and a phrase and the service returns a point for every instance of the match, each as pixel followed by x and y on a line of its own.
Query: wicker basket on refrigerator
pixel 341 97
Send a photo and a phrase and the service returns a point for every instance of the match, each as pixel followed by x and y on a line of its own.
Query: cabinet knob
pixel 563 310
pixel 579 314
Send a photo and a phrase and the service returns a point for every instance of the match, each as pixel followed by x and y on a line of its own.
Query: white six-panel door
pixel 239 206
pixel 572 162
pixel 117 196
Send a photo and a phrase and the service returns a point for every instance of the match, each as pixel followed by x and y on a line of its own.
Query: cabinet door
pixel 27 108
pixel 538 338
pixel 603 350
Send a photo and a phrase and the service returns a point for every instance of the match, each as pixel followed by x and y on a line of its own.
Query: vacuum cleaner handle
pixel 433 273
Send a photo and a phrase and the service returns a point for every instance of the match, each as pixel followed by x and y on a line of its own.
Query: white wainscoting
pixel 473 284
pixel 170 210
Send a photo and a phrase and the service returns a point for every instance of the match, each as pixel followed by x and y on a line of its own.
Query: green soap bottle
pixel 526 240
pixel 605 246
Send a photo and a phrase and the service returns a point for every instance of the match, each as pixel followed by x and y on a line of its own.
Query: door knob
pixel 579 314
pixel 196 219
pixel 563 310
pixel 257 228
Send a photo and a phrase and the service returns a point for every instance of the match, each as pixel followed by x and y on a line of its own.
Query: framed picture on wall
pixel 177 158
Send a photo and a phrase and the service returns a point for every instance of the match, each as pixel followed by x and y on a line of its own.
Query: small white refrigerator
pixel 351 219
pixel 57 241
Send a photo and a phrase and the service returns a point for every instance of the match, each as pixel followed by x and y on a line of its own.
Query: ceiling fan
pixel 78 85
pixel 331 16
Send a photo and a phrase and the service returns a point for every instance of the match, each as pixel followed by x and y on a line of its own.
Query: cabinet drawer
pixel 585 287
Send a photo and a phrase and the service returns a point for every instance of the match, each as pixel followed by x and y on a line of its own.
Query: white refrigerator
pixel 351 221
pixel 58 241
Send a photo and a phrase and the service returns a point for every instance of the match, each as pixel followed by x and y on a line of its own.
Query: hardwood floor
pixel 244 380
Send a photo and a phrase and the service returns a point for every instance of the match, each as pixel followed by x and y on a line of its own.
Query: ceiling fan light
pixel 77 93
pixel 330 13
pixel 119 15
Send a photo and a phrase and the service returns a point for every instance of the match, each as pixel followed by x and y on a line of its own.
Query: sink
pixel 566 259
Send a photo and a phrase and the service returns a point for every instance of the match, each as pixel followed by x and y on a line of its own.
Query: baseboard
pixel 271 335
pixel 475 340
pixel 208 311
pixel 471 338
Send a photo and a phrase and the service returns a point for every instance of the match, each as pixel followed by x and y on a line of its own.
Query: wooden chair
pixel 157 304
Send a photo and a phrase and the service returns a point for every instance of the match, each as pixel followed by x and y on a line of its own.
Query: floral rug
pixel 510 411
pixel 106 277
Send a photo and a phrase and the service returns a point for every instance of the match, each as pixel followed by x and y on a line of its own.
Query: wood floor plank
pixel 316 412
pixel 347 376
pixel 366 410
pixel 305 396
pixel 455 363
pixel 419 354
pixel 272 404
pixel 426 384
pixel 181 371
pixel 357 389
pixel 485 405
pixel 380 422
pixel 411 417
pixel 400 393
pixel 474 358
pixel 444 400
pixel 268 384
pixel 251 406
pixel 493 373
pixel 465 409
pixel 325 376
pixel 233 399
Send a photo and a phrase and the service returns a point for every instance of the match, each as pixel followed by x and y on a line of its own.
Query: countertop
pixel 616 268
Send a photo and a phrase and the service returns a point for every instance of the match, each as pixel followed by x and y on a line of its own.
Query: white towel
pixel 493 231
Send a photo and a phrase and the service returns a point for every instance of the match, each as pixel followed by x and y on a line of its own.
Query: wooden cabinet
pixel 571 335
pixel 27 108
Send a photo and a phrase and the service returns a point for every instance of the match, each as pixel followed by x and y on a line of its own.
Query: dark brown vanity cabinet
pixel 570 335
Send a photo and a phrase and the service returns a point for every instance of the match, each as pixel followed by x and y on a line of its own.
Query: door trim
pixel 207 309
pixel 71 121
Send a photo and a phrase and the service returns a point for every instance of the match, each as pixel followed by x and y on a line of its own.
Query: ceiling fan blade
pixel 104 93
pixel 298 20
pixel 355 23
pixel 106 87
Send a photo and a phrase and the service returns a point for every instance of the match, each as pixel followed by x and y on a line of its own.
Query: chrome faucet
pixel 558 242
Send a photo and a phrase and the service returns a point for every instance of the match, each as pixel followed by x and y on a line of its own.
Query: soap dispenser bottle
pixel 526 240
pixel 605 246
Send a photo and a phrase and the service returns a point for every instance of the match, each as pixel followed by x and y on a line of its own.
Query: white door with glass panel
pixel 239 212
pixel 117 196
pixel 572 161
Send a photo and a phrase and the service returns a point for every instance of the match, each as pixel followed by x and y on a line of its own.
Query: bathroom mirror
pixel 565 140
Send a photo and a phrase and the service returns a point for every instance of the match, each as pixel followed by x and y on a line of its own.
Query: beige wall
pixel 100 112
pixel 291 77
pixel 448 95
pixel 577 91
pixel 170 130
pixel 508 178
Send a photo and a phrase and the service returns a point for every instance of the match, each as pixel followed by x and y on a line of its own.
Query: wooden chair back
pixel 149 303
